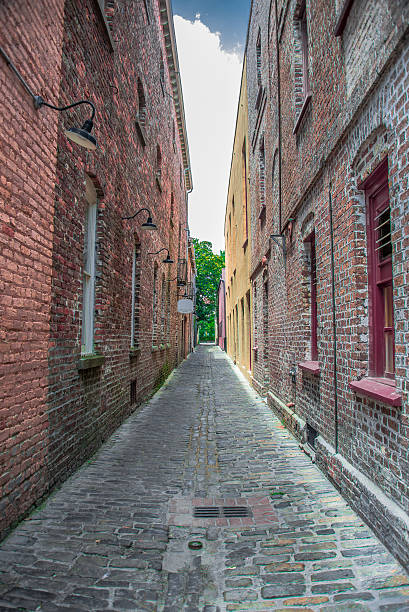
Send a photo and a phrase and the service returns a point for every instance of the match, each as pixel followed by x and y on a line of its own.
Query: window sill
pixel 380 389
pixel 312 367
pixel 302 112
pixel 93 360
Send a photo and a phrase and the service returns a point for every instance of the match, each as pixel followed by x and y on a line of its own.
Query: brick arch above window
pixel 370 152
pixel 91 178
pixel 307 226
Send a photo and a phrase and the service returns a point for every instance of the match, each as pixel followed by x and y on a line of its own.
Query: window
pixel 158 161
pixel 163 310
pixel 380 282
pixel 313 297
pixel 172 208
pixel 174 136
pixel 89 262
pixel 301 79
pixel 159 167
pixel 136 285
pixel 343 17
pixel 168 312
pixel 140 119
pixel 262 176
pixel 147 10
pixel 162 75
pixel 244 188
pixel 107 8
pixel 155 306
pixel 133 392
pixel 258 58
pixel 304 49
pixel 141 104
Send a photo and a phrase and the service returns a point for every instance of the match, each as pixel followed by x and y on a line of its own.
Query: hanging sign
pixel 185 306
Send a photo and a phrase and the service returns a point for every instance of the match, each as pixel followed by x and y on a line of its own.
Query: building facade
pixel 90 326
pixel 328 130
pixel 237 231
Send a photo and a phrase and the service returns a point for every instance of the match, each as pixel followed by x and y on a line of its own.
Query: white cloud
pixel 211 84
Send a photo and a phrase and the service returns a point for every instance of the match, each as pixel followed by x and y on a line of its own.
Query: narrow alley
pixel 267 530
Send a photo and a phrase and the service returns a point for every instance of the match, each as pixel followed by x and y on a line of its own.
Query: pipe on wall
pixel 334 317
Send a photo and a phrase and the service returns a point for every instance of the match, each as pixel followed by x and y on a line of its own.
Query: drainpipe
pixel 334 317
pixel 279 114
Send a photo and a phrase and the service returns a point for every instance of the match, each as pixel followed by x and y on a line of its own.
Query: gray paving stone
pixel 107 538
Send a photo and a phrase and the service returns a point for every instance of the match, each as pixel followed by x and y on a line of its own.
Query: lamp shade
pixel 149 224
pixel 82 136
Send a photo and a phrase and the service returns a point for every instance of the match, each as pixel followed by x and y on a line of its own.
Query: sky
pixel 210 38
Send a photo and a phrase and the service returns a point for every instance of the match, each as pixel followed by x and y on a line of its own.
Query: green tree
pixel 209 268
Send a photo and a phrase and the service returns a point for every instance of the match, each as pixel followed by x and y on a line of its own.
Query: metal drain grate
pixel 206 512
pixel 229 511
pixel 221 511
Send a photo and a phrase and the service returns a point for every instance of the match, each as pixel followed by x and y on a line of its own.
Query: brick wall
pixel 63 410
pixel 357 115
pixel 28 152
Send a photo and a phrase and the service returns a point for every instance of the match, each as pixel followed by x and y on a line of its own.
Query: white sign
pixel 185 306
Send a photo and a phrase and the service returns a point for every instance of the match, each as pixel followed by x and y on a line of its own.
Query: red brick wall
pixel 32 37
pixel 58 415
pixel 357 115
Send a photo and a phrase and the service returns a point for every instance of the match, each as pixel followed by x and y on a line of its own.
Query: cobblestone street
pixel 275 534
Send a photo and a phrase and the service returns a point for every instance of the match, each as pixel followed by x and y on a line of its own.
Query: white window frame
pixel 88 299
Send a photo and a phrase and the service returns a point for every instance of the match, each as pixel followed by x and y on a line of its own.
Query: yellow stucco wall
pixel 237 239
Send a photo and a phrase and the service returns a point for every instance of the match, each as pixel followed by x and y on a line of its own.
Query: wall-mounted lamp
pixel 149 224
pixel 81 136
pixel 168 259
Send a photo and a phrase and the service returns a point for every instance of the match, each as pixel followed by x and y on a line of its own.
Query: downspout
pixel 334 318
pixel 279 114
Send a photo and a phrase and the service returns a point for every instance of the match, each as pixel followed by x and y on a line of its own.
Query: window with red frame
pixel 313 298
pixel 382 337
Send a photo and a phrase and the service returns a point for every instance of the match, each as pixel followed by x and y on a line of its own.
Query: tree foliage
pixel 209 268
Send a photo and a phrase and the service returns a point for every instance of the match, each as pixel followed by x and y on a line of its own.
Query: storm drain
pixel 221 511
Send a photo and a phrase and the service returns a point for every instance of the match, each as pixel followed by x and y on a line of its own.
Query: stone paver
pixel 116 535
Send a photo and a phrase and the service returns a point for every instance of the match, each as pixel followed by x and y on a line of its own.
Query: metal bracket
pixel 280 240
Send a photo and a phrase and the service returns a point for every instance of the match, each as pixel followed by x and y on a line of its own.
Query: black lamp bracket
pixel 280 240
pixel 137 213
pixel 160 251
pixel 38 100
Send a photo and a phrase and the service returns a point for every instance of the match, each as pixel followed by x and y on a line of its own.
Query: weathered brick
pixel 310 181
pixel 57 415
